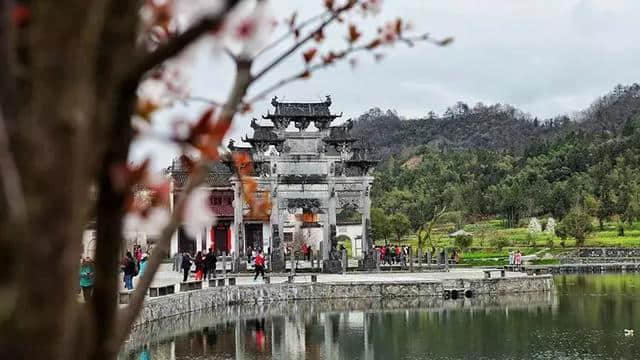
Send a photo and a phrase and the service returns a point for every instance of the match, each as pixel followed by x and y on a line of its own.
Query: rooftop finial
pixel 348 125
pixel 274 101
pixel 328 100
pixel 254 123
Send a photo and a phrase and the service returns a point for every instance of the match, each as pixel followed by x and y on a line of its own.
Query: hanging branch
pixel 178 43
pixel 334 15
pixel 111 202
pixel 292 32
pixel 306 73
pixel 241 84
pixel 129 314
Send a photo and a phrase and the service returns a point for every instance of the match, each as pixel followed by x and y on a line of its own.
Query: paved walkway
pixel 166 276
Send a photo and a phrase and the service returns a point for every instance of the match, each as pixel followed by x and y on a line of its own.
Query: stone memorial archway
pixel 320 172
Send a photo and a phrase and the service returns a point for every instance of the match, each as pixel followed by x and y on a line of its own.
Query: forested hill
pixel 493 127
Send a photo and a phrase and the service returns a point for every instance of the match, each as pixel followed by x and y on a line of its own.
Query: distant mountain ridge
pixel 493 127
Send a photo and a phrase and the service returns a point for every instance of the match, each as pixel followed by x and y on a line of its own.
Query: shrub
pixel 463 241
pixel 577 223
pixel 499 242
pixel 550 241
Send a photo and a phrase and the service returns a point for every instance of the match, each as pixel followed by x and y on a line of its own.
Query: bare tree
pixel 70 72
pixel 424 233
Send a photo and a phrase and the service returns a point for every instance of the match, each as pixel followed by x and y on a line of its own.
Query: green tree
pixel 380 224
pixel 424 233
pixel 400 225
pixel 577 223
pixel 463 241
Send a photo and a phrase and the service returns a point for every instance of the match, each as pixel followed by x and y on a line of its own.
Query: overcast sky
pixel 546 57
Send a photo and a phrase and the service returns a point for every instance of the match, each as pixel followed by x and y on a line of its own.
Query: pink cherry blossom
pixel 197 212
pixel 151 223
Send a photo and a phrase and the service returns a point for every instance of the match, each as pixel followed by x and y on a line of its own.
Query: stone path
pixel 166 276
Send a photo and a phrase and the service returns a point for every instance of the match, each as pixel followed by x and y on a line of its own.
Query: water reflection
pixel 583 319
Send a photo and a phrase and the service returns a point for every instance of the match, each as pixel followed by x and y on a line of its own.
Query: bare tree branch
pixel 160 251
pixel 291 32
pixel 297 45
pixel 11 178
pixel 241 83
pixel 201 99
pixel 111 201
pixel 174 46
pixel 410 41
pixel 128 316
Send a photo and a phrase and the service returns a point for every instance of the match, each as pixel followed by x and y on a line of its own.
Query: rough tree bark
pixel 81 86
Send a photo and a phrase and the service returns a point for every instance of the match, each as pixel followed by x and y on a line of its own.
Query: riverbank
pixel 351 286
pixel 169 328
pixel 583 317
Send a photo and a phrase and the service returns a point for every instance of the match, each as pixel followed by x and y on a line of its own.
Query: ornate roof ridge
pixel 327 101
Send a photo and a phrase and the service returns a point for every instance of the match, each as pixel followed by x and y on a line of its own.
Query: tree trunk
pixel 57 138
pixel 53 125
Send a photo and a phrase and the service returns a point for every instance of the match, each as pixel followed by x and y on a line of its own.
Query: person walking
pixel 210 261
pixel 199 261
pixel 186 266
pixel 86 278
pixel 518 258
pixel 205 265
pixel 137 253
pixel 177 262
pixel 259 267
pixel 129 268
pixel 144 260
pixel 387 255
pixel 249 253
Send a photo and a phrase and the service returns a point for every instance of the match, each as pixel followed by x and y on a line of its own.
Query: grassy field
pixel 486 233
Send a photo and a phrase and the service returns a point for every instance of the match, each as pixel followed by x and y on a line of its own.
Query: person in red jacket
pixel 259 265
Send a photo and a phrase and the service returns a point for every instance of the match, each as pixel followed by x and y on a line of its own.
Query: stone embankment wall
pixel 603 256
pixel 608 252
pixel 217 297
pixel 171 327
pixel 587 268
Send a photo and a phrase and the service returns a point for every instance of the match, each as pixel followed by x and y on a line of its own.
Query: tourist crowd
pixel 205 264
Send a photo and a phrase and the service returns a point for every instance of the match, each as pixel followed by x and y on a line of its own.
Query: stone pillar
pixel 324 246
pixel 237 246
pixel 199 242
pixel 276 253
pixel 345 262
pixel 368 262
pixel 410 254
pixel 446 260
pixel 174 244
pixel 365 210
pixel 333 264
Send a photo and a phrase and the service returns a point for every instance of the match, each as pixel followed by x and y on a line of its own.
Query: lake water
pixel 583 318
